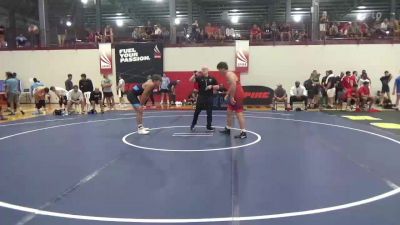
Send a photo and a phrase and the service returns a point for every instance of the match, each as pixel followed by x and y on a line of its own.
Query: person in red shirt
pixel 235 97
pixel 351 96
pixel 349 81
pixel 365 95
pixel 255 33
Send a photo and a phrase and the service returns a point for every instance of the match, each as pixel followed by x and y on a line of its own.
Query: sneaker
pixel 145 128
pixel 242 135
pixel 225 131
pixel 142 131
pixel 192 127
pixel 209 128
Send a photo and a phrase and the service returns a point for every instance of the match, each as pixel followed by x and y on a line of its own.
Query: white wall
pixel 269 65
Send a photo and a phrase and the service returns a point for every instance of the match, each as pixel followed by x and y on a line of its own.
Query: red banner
pixel 105 54
pixel 242 56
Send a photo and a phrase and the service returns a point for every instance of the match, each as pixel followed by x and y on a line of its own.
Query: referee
pixel 207 85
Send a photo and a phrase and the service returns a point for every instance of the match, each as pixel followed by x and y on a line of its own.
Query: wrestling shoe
pixel 242 135
pixel 226 131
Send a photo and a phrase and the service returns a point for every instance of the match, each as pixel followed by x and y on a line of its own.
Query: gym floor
pixel 303 168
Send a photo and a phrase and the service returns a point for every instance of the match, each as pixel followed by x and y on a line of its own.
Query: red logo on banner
pixel 157 53
pixel 105 58
pixel 242 56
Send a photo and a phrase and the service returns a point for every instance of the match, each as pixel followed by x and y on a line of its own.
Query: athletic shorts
pixel 164 91
pixel 385 88
pixel 12 97
pixel 95 100
pixel 63 100
pixel 238 107
pixel 40 104
pixel 331 92
pixel 108 94
pixel 134 99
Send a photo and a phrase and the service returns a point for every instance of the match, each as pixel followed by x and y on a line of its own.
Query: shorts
pixel 385 88
pixel 108 94
pixel 164 91
pixel 62 100
pixel 13 98
pixel 40 104
pixel 331 92
pixel 134 99
pixel 95 100
pixel 238 107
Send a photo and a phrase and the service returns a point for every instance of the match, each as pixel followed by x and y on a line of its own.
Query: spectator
pixel 75 97
pixel 363 78
pixel 355 30
pixel 340 90
pixel 383 29
pixel 275 31
pixel 365 95
pixel 61 33
pixel 348 81
pixel 396 28
pixel 312 87
pixel 12 93
pixel 96 99
pixel 344 29
pixel 108 35
pixel 164 88
pixel 208 31
pixel 34 35
pixel 99 37
pixel 280 95
pixel 157 32
pixel 396 91
pixel 40 98
pixel 21 41
pixel 85 84
pixel 172 90
pixel 255 33
pixel 61 94
pixel 2 36
pixel 106 85
pixel 230 33
pixel 268 31
pixel 121 91
pixel 149 29
pixel 136 34
pixel 323 24
pixel 36 83
pixel 68 83
pixel 364 30
pixel 192 98
pixel 351 96
pixel 285 31
pixel 334 30
pixel 385 79
pixel 331 89
pixel 298 94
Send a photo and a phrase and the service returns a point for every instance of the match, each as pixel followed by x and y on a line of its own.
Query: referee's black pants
pixel 203 103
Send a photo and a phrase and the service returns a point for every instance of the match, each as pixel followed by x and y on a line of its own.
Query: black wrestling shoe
pixel 210 128
pixel 242 135
pixel 226 131
pixel 192 127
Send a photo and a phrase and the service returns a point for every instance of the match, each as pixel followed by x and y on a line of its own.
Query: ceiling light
pixel 68 23
pixel 297 9
pixel 119 23
pixel 177 21
pixel 362 7
pixel 296 18
pixel 235 10
pixel 84 1
pixel 361 16
pixel 235 19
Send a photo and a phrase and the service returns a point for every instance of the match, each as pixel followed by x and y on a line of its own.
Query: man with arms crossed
pixel 234 96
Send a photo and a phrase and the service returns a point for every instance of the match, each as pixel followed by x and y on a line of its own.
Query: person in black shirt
pixel 68 83
pixel 172 90
pixel 385 79
pixel 85 85
pixel 207 85
pixel 95 99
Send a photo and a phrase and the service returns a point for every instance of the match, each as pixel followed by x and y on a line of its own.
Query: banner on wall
pixel 105 54
pixel 258 95
pixel 242 56
pixel 135 61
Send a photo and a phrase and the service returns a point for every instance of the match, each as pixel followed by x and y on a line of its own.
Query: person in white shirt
pixel 230 33
pixel 61 94
pixel 164 89
pixel 298 93
pixel 121 91
pixel 75 97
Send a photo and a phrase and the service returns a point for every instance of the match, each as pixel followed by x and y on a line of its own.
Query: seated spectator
pixel 383 29
pixel 365 95
pixel 280 95
pixel 149 29
pixel 157 32
pixel 364 28
pixel 136 34
pixel 334 30
pixel 351 96
pixel 255 33
pixel 39 95
pixel 172 90
pixel 61 94
pixel 396 28
pixel 230 33
pixel 2 36
pixel 108 34
pixel 21 41
pixel 96 99
pixel 275 31
pixel 344 29
pixel 355 30
pixel 75 97
pixel 268 32
pixel 298 93
pixel 312 91
pixel 98 37
pixel 209 31
pixel 192 98
pixel 331 89
pixel 285 32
